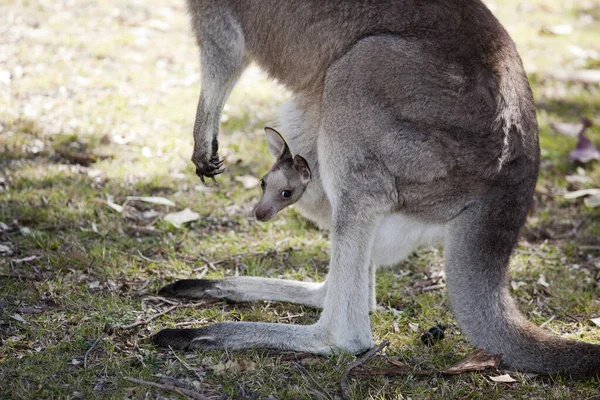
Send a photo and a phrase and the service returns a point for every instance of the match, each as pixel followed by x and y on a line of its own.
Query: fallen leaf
pixel 578 179
pixel 248 181
pixel 596 321
pixel 79 256
pixel 503 378
pixel 182 217
pixel 581 193
pixel 25 259
pixel 234 367
pixel 17 317
pixel 5 250
pixel 589 76
pixel 78 157
pixel 571 129
pixel 94 285
pixel 542 281
pixel 29 310
pixel 75 361
pixel 152 199
pixel 475 361
pixel 118 208
pixel 585 151
pixel 558 30
pixel 592 201
pixel 150 214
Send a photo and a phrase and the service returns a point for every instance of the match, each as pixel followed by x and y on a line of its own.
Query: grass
pixel 119 80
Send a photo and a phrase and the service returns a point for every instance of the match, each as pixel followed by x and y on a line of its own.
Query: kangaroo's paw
pixel 192 289
pixel 201 338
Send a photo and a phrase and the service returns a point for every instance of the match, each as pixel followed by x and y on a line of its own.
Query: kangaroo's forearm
pixel 223 59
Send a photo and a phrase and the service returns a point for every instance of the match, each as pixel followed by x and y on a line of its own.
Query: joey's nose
pixel 262 214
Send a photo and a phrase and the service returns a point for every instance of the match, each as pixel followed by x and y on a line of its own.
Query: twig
pixel 160 298
pixel 148 320
pixel 201 275
pixel 208 262
pixel 358 363
pixel 143 257
pixel 548 321
pixel 433 287
pixel 87 353
pixel 19 276
pixel 391 371
pixel 142 230
pixel 304 372
pixel 186 365
pixel 197 321
pixel 168 310
pixel 186 392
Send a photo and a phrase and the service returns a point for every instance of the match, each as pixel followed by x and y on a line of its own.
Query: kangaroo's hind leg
pixel 249 288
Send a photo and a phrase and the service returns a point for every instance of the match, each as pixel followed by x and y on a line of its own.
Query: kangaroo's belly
pixel 399 235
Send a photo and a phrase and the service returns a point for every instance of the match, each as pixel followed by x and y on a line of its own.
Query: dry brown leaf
pixel 475 361
pixel 234 367
pixel 79 256
pixel 503 378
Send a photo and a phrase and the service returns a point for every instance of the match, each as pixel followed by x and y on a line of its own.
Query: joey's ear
pixel 277 145
pixel 301 166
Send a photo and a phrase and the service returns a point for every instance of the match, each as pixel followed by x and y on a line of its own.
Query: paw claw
pixel 182 339
pixel 209 169
pixel 189 288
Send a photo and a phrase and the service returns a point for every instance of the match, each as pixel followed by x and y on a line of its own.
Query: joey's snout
pixel 263 212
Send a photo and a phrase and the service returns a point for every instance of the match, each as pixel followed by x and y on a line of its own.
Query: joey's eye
pixel 286 194
pixel 262 184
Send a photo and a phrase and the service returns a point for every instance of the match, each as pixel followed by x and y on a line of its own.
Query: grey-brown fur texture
pixel 418 125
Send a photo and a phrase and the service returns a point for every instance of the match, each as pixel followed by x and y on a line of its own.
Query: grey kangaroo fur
pixel 418 123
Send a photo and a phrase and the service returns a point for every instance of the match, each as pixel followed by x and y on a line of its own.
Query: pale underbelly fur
pixel 397 236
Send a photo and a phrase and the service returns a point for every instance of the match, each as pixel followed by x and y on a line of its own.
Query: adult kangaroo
pixel 420 122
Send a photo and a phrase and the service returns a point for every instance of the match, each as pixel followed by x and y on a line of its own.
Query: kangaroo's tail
pixel 477 251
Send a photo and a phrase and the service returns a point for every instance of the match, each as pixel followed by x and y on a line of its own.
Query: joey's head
pixel 285 182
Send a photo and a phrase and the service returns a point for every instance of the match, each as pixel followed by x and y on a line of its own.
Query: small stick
pixel 391 371
pixel 186 365
pixel 152 318
pixel 208 262
pixel 186 392
pixel 433 288
pixel 160 298
pixel 368 355
pixel 85 357
pixel 143 257
pixel 304 372
pixel 548 321
pixel 168 310
pixel 201 275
